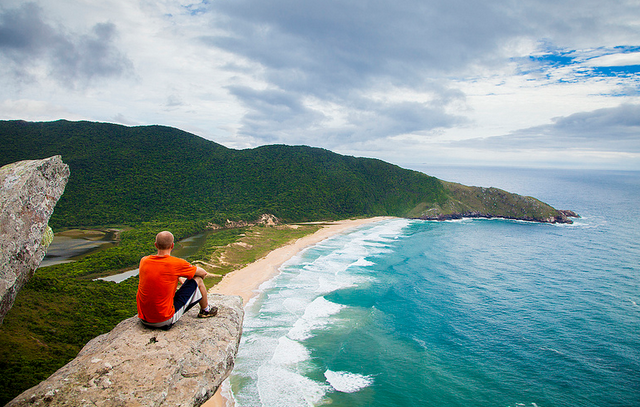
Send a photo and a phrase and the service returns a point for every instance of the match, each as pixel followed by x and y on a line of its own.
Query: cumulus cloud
pixel 625 59
pixel 29 43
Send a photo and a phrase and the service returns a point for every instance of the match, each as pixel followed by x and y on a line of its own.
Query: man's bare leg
pixel 203 290
pixel 206 310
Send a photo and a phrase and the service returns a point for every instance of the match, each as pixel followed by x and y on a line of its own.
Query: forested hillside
pixel 130 174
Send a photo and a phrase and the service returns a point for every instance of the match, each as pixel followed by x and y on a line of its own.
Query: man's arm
pixel 200 272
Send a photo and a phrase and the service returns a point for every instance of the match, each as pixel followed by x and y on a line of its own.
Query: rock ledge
pixel 136 366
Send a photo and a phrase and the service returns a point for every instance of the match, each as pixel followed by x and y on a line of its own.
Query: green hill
pixel 122 175
pixel 130 174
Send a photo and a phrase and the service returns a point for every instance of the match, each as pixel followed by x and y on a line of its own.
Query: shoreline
pixel 246 281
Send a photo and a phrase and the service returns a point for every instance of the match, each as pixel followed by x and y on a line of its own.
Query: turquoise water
pixel 462 313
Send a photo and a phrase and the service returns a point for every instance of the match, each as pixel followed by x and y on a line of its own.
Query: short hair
pixel 164 240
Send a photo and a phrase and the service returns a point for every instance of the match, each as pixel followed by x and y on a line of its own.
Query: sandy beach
pixel 246 281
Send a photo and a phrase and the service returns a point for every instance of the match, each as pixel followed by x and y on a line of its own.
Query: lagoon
pixel 69 245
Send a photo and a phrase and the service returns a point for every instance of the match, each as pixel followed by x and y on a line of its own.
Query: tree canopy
pixel 125 174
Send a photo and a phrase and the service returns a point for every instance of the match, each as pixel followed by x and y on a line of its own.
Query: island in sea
pixel 139 180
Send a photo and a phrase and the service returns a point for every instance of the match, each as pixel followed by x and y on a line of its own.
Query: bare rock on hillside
pixel 136 366
pixel 29 190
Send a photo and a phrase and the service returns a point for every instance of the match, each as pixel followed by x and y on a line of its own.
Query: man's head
pixel 164 240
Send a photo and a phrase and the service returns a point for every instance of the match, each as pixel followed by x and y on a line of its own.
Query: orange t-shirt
pixel 157 286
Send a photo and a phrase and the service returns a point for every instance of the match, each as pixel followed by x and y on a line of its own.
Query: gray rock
pixel 137 366
pixel 29 190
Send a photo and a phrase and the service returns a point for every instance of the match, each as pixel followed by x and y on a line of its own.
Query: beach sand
pixel 246 281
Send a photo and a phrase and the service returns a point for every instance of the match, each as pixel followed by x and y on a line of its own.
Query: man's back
pixel 158 283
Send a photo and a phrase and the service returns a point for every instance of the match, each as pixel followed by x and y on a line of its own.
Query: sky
pixel 418 83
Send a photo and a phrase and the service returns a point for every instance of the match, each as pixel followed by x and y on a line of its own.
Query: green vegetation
pixel 123 175
pixel 497 201
pixel 254 244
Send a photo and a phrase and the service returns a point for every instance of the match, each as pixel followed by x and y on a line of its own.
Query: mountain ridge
pixel 126 174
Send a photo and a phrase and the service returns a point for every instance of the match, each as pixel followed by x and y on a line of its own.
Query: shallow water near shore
pixel 470 312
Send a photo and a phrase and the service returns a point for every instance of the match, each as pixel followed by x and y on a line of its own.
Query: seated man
pixel 159 304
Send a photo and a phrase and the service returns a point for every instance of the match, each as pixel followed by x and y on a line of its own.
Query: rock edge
pixel 136 366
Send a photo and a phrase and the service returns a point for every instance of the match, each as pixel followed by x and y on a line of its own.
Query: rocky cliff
pixel 29 190
pixel 137 366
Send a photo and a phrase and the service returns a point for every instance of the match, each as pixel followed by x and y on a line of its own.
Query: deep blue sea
pixel 461 313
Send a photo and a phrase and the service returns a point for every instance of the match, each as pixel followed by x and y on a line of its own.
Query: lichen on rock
pixel 29 191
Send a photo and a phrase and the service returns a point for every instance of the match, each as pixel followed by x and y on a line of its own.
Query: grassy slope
pixel 467 201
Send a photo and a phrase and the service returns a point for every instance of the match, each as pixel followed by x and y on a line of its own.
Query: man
pixel 159 304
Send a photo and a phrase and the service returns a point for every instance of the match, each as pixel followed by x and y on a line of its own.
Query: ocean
pixel 473 312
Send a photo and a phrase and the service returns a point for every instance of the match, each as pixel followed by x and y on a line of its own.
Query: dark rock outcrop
pixel 137 366
pixel 562 216
pixel 29 190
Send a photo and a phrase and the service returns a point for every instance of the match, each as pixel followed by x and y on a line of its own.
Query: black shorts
pixel 184 299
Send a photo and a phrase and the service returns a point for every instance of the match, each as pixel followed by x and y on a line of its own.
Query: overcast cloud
pixel 418 82
pixel 29 43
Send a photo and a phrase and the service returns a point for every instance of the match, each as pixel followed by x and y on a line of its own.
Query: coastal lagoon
pixel 71 244
pixel 471 312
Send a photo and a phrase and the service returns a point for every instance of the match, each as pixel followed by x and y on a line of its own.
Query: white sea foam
pixel 316 316
pixel 327 285
pixel 347 382
pixel 289 352
pixel 362 262
pixel 294 305
pixel 278 386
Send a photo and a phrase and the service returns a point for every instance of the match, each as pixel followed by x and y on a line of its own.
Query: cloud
pixel 570 65
pixel 332 48
pixel 358 56
pixel 614 129
pixel 273 112
pixel 411 81
pixel 618 59
pixel 28 44
pixel 276 116
pixel 34 110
